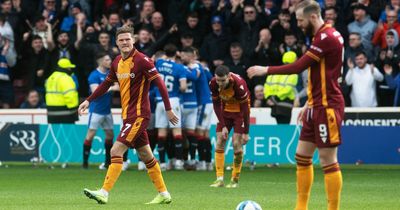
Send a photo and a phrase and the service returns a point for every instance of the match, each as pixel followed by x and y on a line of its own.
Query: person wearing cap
pixel 216 44
pixel 61 94
pixel 280 91
pixel 363 25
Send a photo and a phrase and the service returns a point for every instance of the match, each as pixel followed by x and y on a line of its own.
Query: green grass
pixel 24 187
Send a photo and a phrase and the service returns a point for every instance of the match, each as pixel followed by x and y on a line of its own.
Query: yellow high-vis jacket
pixel 61 98
pixel 281 86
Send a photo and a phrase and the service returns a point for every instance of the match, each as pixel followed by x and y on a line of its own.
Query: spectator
pixel 42 28
pixel 379 38
pixel 245 26
pixel 187 40
pixel 393 82
pixel 147 46
pixel 374 7
pixel 33 101
pixel 264 54
pixel 355 46
pixel 6 89
pixel 280 92
pixel 259 96
pixel 145 14
pixel 193 27
pixel 157 27
pixel 216 44
pixel 33 63
pixel 363 25
pixel 331 17
pixel 50 12
pixel 280 26
pixel 69 21
pixel 8 33
pixel 236 62
pixel 290 44
pixel 363 79
pixel 61 95
pixel 388 56
pixel 390 5
pixel 206 10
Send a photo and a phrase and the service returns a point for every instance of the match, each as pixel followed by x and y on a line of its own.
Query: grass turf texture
pixel 25 187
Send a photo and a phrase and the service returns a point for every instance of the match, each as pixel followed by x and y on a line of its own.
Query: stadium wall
pixel 369 136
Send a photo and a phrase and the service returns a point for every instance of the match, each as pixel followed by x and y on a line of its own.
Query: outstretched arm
pixel 100 90
pixel 294 68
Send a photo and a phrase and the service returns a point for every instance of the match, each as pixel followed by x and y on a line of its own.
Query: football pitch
pixel 23 186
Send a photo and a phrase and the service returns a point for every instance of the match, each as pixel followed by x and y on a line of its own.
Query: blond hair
pixel 125 29
pixel 309 7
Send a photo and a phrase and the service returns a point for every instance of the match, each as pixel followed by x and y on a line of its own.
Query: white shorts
pixel 98 120
pixel 204 116
pixel 161 115
pixel 189 118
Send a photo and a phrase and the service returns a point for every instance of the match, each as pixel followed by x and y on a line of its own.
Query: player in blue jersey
pixel 100 110
pixel 189 113
pixel 205 109
pixel 174 76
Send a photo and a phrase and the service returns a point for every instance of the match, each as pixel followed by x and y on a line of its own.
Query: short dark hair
pixel 289 33
pixel 221 70
pixel 100 55
pixel 361 53
pixel 35 37
pixel 189 50
pixel 355 33
pixel 332 8
pixel 124 29
pixel 170 50
pixel 235 45
pixel 193 15
pixel 390 33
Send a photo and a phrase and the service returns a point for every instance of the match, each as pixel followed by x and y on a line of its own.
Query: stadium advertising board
pixel 372 118
pixel 268 144
pixel 18 142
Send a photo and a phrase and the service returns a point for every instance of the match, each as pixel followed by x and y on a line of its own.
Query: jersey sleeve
pixel 93 80
pixel 320 46
pixel 182 72
pixel 241 91
pixel 214 90
pixel 149 69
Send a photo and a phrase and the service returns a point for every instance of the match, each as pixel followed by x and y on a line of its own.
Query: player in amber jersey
pixel 323 113
pixel 231 101
pixel 134 72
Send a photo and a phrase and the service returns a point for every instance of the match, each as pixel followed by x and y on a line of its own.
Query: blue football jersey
pixel 171 73
pixel 102 105
pixel 190 95
pixel 203 90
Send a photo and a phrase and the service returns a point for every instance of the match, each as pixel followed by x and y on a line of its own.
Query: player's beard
pixel 309 30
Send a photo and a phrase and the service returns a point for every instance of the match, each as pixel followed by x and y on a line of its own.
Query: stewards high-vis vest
pixel 61 98
pixel 283 87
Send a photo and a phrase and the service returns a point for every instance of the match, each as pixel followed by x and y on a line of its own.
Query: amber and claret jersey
pixel 134 75
pixel 232 96
pixel 326 58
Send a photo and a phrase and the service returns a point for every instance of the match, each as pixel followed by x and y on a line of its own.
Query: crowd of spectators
pixel 35 34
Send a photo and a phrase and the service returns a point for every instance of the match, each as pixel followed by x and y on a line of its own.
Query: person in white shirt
pixel 362 78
